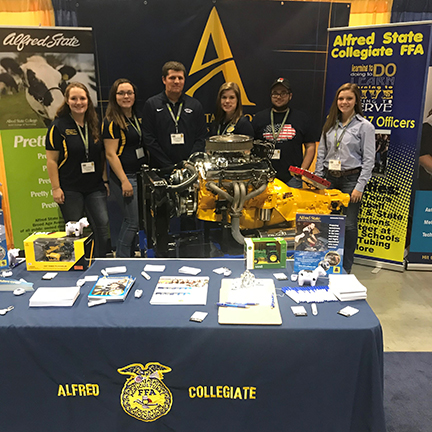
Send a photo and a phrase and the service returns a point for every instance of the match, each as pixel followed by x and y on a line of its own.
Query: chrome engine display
pixel 233 184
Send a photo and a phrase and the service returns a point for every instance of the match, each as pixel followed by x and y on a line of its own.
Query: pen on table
pixel 246 304
pixel 238 305
pixel 314 309
pixel 145 275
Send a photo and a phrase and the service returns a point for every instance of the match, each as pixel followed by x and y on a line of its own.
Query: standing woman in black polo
pixel 122 134
pixel 76 164
pixel 229 113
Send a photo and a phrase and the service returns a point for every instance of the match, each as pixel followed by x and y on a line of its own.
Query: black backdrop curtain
pixel 65 13
pixel 411 10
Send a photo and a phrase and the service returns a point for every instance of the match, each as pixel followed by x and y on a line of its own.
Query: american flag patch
pixel 287 133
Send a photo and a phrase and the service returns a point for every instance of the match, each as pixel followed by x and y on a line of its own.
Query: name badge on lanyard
pixel 87 167
pixel 335 165
pixel 177 138
pixel 276 154
pixel 139 152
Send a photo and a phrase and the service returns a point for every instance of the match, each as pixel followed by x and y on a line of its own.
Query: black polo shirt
pixel 129 142
pixel 158 126
pixel 63 136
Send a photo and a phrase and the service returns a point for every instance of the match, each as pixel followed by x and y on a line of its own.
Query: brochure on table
pixel 180 290
pixel 319 238
pixel 112 288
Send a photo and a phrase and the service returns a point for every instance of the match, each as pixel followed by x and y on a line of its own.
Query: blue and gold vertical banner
pixel 389 63
pixel 420 248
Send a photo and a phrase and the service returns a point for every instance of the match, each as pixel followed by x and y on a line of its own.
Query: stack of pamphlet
pixel 61 296
pixel 346 287
pixel 111 288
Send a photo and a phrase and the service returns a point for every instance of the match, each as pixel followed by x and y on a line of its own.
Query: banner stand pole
pixel 379 264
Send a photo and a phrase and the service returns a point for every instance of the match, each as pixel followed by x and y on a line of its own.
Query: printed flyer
pixel 319 238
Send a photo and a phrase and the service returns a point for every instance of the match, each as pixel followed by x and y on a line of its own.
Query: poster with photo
pixel 420 247
pixel 36 66
pixel 319 238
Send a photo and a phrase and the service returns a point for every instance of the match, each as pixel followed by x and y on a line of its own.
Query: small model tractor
pixel 270 254
pixel 59 251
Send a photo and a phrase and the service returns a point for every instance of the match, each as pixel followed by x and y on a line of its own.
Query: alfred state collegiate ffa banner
pixel 389 64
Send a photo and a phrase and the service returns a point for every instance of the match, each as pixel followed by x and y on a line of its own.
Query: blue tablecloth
pixel 59 366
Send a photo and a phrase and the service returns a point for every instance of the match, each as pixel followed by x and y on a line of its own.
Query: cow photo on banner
pixel 381 61
pixel 36 65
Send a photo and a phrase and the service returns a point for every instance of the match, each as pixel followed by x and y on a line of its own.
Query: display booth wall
pixel 251 43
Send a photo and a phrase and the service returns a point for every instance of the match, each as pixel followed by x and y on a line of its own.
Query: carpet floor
pixel 408 391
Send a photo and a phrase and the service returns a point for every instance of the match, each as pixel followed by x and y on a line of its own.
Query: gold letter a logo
pixel 215 30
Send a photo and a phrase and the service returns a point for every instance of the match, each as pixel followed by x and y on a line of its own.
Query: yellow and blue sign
pixel 381 60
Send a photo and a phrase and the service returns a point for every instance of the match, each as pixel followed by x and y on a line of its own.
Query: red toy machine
pixel 310 178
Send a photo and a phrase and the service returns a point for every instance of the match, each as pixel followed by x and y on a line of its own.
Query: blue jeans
pixel 295 183
pixel 346 185
pixel 94 206
pixel 127 238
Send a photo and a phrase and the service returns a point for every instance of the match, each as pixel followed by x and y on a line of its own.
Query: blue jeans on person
pixel 347 184
pixel 127 238
pixel 296 183
pixel 94 206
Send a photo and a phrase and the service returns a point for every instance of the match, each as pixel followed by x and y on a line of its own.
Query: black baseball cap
pixel 282 81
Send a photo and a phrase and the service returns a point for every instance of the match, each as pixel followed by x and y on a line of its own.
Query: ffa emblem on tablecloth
pixel 144 395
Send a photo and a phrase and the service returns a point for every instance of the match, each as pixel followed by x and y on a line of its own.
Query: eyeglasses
pixel 127 93
pixel 281 94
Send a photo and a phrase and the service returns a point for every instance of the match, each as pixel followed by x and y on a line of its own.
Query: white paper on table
pixel 55 296
pixel 154 268
pixel 189 270
pixel 256 294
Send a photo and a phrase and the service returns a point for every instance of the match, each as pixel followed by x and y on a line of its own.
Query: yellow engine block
pixel 283 202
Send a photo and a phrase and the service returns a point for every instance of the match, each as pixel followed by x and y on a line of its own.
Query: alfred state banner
pixel 389 63
pixel 37 63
